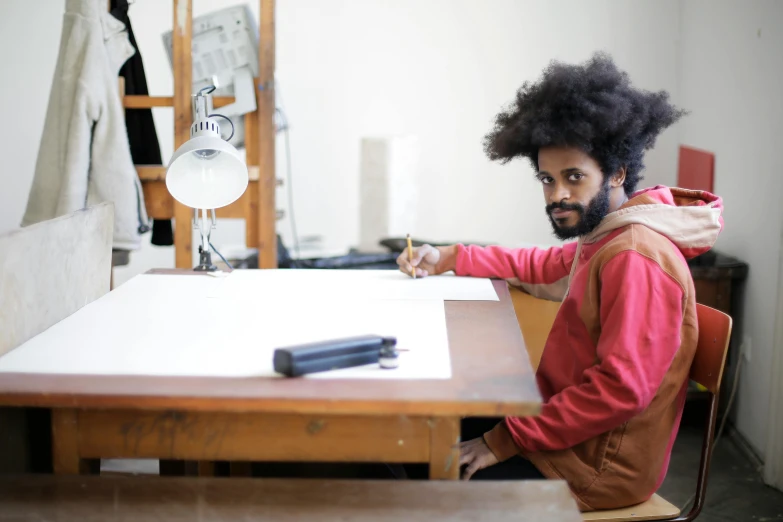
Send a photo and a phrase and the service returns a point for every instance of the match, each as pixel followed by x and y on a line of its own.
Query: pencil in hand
pixel 410 256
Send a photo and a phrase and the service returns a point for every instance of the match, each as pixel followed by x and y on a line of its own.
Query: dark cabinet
pixel 718 280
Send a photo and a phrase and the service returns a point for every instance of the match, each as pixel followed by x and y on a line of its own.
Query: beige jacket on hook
pixel 84 156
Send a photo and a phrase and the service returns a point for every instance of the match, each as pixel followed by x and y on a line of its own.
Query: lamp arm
pixel 205 228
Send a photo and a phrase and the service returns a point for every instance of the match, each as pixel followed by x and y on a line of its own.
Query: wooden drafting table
pixel 268 419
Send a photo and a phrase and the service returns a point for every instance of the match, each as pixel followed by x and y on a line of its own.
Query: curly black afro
pixel 590 106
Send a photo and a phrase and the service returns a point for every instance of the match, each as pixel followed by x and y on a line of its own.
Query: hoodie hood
pixel 691 219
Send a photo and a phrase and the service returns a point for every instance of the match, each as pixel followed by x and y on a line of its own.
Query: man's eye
pixel 576 176
pixel 546 180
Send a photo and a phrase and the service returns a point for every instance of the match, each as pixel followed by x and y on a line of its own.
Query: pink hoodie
pixel 614 371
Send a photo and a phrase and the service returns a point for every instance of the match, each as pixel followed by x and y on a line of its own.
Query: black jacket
pixel 143 138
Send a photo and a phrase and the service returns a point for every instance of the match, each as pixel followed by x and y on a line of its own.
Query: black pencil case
pixel 322 356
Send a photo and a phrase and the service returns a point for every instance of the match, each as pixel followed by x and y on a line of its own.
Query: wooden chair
pixel 535 318
pixel 706 370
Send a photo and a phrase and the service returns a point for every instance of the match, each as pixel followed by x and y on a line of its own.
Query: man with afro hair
pixel 614 371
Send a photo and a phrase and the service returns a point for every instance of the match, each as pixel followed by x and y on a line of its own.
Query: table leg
pixel 65 445
pixel 444 454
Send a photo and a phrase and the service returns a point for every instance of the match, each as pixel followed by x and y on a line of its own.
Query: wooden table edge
pixel 271 405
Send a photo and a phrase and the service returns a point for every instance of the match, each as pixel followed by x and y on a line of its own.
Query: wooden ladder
pixel 257 204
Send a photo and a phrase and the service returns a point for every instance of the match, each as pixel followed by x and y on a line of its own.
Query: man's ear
pixel 618 178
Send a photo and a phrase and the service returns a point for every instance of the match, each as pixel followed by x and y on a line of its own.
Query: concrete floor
pixel 735 490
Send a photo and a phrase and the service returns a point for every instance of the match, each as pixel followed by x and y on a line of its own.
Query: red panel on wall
pixel 696 169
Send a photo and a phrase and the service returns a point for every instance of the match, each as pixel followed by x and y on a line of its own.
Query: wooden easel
pixel 257 205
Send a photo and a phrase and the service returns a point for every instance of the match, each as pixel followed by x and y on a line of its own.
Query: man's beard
pixel 589 218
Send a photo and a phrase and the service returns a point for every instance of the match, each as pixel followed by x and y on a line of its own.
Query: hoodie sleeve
pixel 634 352
pixel 535 266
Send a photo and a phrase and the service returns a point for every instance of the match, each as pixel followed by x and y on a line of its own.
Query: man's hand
pixel 476 455
pixel 428 260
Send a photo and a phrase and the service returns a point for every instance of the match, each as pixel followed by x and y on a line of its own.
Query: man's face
pixel 575 190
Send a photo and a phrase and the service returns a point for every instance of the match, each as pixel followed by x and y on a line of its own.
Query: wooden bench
pixel 173 499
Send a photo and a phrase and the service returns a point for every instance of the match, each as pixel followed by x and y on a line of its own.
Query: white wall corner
pixel 773 466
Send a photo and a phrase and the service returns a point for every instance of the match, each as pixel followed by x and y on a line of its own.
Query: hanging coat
pixel 84 157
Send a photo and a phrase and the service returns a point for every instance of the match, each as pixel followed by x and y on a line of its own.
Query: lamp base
pixel 204 261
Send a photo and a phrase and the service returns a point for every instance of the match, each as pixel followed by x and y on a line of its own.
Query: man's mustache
pixel 564 206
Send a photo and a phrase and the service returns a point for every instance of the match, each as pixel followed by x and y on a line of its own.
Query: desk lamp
pixel 206 172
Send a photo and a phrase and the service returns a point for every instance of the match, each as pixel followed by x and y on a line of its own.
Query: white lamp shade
pixel 206 172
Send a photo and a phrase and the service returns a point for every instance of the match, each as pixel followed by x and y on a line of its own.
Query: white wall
pixel 29 52
pixel 440 69
pixel 732 80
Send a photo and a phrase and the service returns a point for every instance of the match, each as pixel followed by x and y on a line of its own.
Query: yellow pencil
pixel 410 257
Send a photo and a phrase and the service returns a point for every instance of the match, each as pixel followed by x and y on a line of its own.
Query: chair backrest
pixel 707 370
pixel 535 317
pixel 713 344
pixel 51 269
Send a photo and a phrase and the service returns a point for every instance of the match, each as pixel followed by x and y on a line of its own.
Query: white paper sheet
pixel 351 285
pixel 167 326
